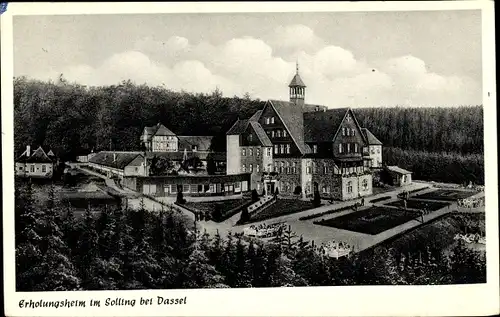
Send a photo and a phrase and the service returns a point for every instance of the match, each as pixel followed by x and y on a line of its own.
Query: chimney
pixel 28 151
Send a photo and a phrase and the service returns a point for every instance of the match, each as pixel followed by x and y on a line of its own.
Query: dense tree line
pixel 458 130
pixel 134 249
pixel 74 119
pixel 441 167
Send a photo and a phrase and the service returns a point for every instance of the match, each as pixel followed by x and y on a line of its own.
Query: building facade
pixel 307 147
pixel 36 164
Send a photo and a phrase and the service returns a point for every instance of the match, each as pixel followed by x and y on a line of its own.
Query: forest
pixel 118 249
pixel 73 120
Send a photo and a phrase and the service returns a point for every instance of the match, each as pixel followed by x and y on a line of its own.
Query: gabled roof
pixel 202 143
pixel 159 130
pixel 238 127
pixel 293 118
pixel 297 82
pixel 107 158
pixel 321 126
pixel 256 116
pixel 179 155
pixel 397 170
pixel 50 153
pixel 261 134
pixel 37 156
pixel 370 138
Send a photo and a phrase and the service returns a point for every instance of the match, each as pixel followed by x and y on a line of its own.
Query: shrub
pixel 298 190
pixel 180 198
pixel 245 216
pixel 255 196
pixel 217 213
pixel 317 199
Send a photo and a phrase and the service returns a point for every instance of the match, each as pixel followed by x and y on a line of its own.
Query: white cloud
pixel 334 76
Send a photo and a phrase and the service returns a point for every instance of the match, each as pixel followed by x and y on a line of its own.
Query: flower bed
pixel 227 208
pixel 282 207
pixel 328 212
pixel 419 204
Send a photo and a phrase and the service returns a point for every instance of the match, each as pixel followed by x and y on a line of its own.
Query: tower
pixel 297 89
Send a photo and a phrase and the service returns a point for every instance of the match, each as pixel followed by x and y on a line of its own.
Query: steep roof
pixel 159 130
pixel 321 126
pixel 256 116
pixel 238 127
pixel 107 158
pixel 397 169
pixel 293 119
pixel 38 156
pixel 297 81
pixel 261 134
pixel 179 155
pixel 372 140
pixel 203 143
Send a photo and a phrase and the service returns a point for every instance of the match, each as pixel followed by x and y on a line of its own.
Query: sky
pixel 356 59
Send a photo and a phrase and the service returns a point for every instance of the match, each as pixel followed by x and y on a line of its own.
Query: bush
pixel 317 199
pixel 180 198
pixel 298 190
pixel 217 213
pixel 255 196
pixel 245 216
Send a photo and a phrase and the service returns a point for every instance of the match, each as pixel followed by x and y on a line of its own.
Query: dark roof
pixel 297 81
pixel 293 119
pixel 238 127
pixel 321 126
pixel 256 116
pixel 372 140
pixel 179 155
pixel 311 107
pixel 158 129
pixel 203 143
pixel 107 158
pixel 397 170
pixel 261 134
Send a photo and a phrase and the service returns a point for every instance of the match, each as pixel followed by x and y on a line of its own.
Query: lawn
pixel 227 208
pixel 418 204
pixel 445 195
pixel 373 220
pixel 282 207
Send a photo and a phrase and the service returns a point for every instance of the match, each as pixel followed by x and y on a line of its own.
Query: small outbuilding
pixel 398 176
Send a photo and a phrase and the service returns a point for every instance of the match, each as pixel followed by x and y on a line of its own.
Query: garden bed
pixel 328 212
pixel 376 200
pixel 372 221
pixel 227 208
pixel 282 207
pixel 446 195
pixel 419 204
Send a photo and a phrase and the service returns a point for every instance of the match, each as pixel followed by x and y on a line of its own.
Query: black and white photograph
pixel 260 149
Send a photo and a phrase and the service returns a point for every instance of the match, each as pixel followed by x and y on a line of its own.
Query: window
pixel 325 169
pixel 315 148
pixel 258 152
pixel 294 167
pixel 272 134
pixel 20 168
pixel 288 167
pixel 251 168
pixel 258 168
pixel 276 149
pixel 244 168
pixel 349 187
pixel 314 168
pixel 258 186
pixel 166 188
pixel 282 166
pixel 355 147
pixel 348 148
pixel 185 188
pixel 372 151
pixel 348 118
pixel 353 132
pixel 323 189
pixel 32 168
pixel 268 151
pixel 282 148
pixel 340 148
pixel 343 131
pixel 288 148
pixel 284 133
pixel 44 168
pixel 267 120
pixel 308 169
pixel 278 133
pixel 243 152
pixel 364 184
pixel 269 167
pixel 250 152
pixel 378 150
pixel 250 137
pixel 272 119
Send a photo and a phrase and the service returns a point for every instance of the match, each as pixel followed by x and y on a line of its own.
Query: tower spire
pixel 297 65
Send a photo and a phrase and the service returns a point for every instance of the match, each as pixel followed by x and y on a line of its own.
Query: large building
pixel 296 147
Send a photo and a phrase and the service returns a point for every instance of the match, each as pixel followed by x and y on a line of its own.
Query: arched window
pixel 349 187
pixel 365 184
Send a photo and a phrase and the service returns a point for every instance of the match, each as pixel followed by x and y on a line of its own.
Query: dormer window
pixel 272 119
pixel 340 148
pixel 278 134
pixel 268 120
pixel 284 133
pixel 272 134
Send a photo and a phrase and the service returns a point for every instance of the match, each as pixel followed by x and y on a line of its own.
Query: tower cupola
pixel 297 89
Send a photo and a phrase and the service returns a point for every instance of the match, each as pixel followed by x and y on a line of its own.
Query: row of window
pixel 277 133
pixel 285 167
pixel 32 168
pixel 282 148
pixel 269 120
pixel 196 188
pixel 348 148
pixel 257 152
pixel 348 132
pixel 250 168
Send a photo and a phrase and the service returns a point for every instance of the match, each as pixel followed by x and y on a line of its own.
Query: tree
pixel 245 216
pixel 255 195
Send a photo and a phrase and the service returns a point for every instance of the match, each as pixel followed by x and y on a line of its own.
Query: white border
pixel 311 301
